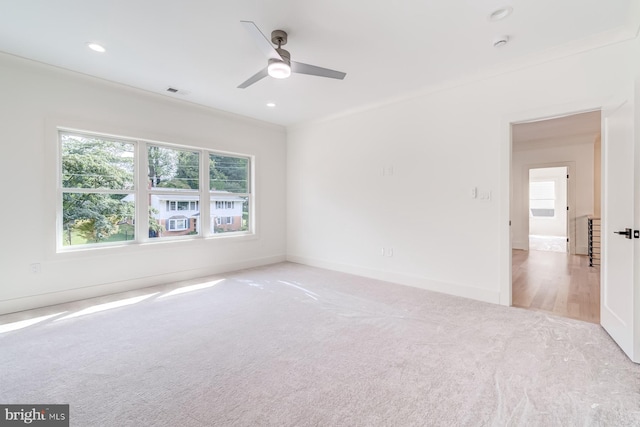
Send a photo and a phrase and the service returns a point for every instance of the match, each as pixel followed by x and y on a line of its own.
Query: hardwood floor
pixel 555 282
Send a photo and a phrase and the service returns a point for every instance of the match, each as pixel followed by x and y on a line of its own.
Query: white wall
pixel 577 150
pixel 342 210
pixel 37 98
pixel 556 225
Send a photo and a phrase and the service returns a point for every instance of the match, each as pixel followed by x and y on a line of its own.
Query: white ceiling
pixel 388 49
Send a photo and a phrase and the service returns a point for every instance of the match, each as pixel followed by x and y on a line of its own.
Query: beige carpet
pixel 290 345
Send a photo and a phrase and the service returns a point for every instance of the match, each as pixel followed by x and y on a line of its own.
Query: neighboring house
pixel 179 214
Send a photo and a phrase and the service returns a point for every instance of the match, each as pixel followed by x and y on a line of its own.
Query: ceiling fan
pixel 280 65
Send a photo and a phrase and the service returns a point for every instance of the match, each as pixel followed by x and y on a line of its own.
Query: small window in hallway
pixel 542 199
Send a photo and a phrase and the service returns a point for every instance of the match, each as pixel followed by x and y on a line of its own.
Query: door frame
pixel 506 181
pixel 571 200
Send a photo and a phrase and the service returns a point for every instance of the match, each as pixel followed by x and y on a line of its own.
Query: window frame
pixel 61 190
pixel 230 204
pixel 185 222
pixel 142 193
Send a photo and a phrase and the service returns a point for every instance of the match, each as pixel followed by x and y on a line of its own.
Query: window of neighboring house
pixel 224 205
pixel 99 177
pixel 181 206
pixel 231 174
pixel 177 224
pixel 96 190
pixel 542 199
pixel 224 220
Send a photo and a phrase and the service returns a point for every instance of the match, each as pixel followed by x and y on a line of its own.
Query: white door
pixel 617 302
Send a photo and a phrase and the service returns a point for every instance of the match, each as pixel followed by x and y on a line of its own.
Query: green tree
pixel 161 164
pixel 91 163
pixel 169 168
pixel 228 174
pixel 155 228
pixel 187 174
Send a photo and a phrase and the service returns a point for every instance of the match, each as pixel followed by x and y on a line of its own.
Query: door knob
pixel 626 233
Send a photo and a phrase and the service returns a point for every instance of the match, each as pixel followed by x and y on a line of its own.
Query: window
pixel 542 199
pixel 182 206
pixel 224 205
pixel 173 173
pixel 177 224
pixel 100 176
pixel 229 184
pixel 97 190
pixel 225 220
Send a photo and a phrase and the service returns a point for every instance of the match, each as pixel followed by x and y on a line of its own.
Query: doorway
pixel 548 209
pixel 553 181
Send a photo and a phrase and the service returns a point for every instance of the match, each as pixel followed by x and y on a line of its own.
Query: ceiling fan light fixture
pixel 278 69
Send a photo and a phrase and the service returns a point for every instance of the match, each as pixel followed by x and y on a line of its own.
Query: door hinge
pixel 567 176
pixel 567 207
pixel 567 240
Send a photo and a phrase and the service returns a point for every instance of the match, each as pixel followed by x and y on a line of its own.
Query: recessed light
pixel 96 47
pixel 501 41
pixel 271 104
pixel 501 13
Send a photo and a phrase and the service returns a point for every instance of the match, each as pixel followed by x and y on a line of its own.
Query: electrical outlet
pixel 35 268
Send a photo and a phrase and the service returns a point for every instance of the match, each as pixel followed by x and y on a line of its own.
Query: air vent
pixel 177 91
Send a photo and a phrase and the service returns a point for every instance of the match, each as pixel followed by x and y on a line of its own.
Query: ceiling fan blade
pixel 300 68
pixel 261 40
pixel 256 77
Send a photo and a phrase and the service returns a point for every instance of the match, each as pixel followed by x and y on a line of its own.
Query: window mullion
pixel 205 196
pixel 142 193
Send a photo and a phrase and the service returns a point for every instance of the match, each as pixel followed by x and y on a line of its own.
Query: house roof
pixel 389 50
pixel 188 198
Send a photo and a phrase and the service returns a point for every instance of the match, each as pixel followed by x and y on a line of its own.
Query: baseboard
pixel 53 298
pixel 520 244
pixel 403 279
